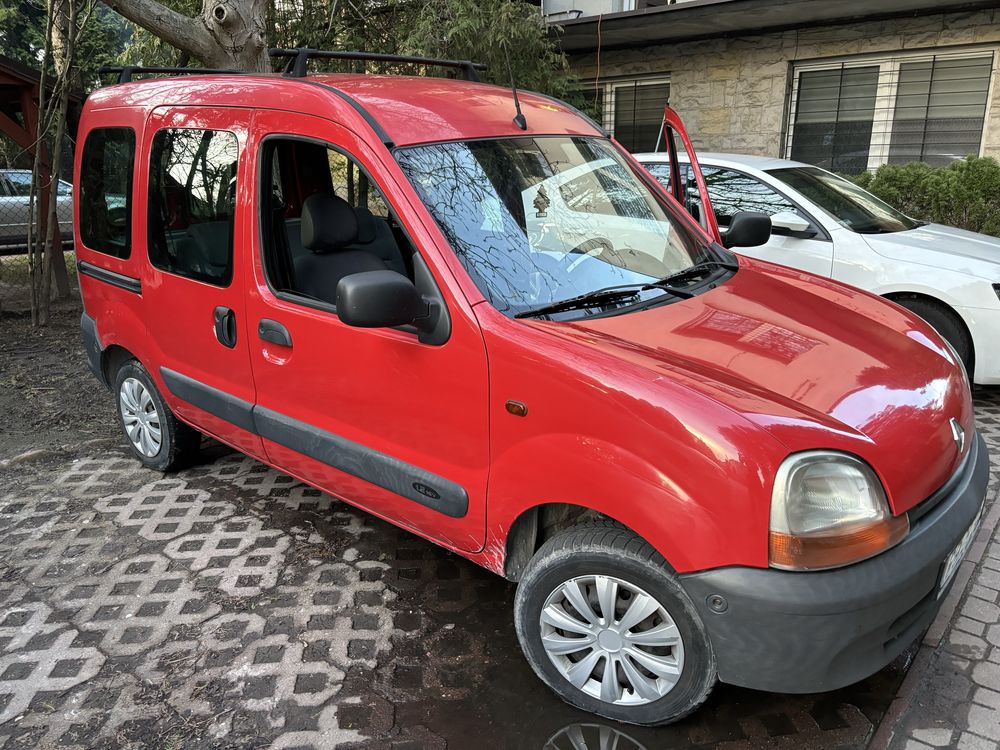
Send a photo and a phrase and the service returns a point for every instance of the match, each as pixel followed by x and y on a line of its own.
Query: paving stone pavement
pixel 230 606
pixel 951 696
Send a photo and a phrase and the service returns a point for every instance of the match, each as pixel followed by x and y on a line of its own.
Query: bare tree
pixel 226 34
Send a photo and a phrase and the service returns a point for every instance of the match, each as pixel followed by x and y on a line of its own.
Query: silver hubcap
pixel 612 640
pixel 142 423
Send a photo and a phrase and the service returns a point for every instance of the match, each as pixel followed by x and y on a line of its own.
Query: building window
pixel 849 116
pixel 632 111
pixel 192 201
pixel 106 190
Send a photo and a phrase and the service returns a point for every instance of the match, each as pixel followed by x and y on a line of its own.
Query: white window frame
pixel 885 96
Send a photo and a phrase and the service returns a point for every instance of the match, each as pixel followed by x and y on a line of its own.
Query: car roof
pixel 763 163
pixel 404 110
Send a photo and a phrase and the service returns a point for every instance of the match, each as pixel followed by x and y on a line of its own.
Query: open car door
pixel 694 199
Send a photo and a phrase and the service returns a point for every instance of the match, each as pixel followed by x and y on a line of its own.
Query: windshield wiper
pixel 588 299
pixel 698 269
pixel 606 294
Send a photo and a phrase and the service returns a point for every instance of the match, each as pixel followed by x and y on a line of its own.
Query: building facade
pixel 838 84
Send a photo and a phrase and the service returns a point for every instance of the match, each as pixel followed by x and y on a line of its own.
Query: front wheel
pixel 604 623
pixel 154 434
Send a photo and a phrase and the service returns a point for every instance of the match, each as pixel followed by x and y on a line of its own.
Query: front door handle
pixel 225 326
pixel 273 332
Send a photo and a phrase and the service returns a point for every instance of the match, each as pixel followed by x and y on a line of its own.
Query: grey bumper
pixel 814 631
pixel 92 347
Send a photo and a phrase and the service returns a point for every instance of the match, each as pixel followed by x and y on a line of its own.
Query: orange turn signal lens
pixel 836 547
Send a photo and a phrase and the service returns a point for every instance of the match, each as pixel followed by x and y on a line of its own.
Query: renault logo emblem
pixel 958 433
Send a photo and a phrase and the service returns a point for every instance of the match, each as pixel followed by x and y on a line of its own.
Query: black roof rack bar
pixel 126 72
pixel 298 58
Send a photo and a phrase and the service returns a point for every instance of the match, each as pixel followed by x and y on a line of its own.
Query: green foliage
pixel 964 194
pixel 478 30
pixel 487 31
pixel 22 37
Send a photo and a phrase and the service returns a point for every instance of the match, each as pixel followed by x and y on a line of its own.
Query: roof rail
pixel 126 72
pixel 298 58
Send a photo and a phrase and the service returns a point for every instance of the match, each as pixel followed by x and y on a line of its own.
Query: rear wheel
pixel 604 623
pixel 946 323
pixel 154 434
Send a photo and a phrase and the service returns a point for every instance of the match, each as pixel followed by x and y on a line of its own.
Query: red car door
pixel 673 129
pixel 194 167
pixel 372 416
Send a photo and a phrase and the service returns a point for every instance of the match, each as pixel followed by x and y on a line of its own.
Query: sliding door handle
pixel 273 332
pixel 225 326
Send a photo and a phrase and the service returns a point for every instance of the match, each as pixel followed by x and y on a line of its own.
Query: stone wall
pixel 733 93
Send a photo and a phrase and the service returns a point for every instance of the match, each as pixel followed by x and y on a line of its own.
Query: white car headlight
pixel 829 509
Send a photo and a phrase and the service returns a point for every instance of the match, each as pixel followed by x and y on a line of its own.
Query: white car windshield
pixel 850 205
pixel 537 221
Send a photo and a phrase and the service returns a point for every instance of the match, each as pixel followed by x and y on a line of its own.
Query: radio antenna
pixel 519 117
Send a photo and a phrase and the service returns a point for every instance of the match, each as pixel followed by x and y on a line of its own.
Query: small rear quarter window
pixel 106 191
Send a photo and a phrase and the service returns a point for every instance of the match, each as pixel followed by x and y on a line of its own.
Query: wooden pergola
pixel 19 86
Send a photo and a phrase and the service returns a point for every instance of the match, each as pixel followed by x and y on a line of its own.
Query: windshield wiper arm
pixel 698 269
pixel 607 294
pixel 588 299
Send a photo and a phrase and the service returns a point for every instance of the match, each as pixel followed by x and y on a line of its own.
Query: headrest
pixel 328 223
pixel 367 231
pixel 213 240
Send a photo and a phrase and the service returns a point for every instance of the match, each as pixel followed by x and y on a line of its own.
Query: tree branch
pixel 180 31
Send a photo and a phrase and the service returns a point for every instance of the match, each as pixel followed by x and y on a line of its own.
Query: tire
pixel 142 412
pixel 947 324
pixel 581 556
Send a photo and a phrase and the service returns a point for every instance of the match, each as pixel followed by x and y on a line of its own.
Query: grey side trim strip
pixel 128 283
pixel 382 470
pixel 390 473
pixel 223 405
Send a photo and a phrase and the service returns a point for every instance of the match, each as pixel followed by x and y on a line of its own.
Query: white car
pixel 15 187
pixel 829 226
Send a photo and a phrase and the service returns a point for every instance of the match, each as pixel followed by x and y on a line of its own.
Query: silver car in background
pixel 15 187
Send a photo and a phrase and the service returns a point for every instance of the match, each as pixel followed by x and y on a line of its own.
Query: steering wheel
pixel 589 249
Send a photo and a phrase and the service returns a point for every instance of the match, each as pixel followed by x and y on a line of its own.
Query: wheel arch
pixel 112 357
pixel 535 525
pixel 899 297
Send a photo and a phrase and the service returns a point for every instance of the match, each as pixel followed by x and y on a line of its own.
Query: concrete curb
pixel 885 731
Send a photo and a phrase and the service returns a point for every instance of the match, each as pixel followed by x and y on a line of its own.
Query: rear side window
pixel 192 200
pixel 106 191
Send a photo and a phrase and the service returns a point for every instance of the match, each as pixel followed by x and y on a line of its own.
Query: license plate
pixel 957 555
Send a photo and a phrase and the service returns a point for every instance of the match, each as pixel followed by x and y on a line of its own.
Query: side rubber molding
pixel 806 632
pixel 380 469
pixel 223 405
pixel 92 347
pixel 128 283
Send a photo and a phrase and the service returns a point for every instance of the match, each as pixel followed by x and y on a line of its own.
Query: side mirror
pixel 787 222
pixel 379 299
pixel 748 229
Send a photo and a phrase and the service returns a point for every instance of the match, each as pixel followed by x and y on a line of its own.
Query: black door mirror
pixel 379 299
pixel 748 229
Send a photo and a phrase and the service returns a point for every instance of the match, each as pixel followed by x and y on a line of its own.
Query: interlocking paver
pixel 968 654
pixel 231 605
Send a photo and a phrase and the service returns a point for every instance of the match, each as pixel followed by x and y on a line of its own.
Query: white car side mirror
pixel 790 222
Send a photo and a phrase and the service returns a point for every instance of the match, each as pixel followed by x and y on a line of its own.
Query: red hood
pixel 815 363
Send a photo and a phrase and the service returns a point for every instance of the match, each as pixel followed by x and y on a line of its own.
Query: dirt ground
pixel 48 397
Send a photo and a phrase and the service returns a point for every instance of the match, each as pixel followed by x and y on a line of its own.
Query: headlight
pixel 829 509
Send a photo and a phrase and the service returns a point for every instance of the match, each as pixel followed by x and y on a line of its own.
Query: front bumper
pixel 808 632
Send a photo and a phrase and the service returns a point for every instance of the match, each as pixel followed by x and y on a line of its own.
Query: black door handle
pixel 274 332
pixel 225 326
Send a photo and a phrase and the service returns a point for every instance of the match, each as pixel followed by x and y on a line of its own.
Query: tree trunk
pixel 226 34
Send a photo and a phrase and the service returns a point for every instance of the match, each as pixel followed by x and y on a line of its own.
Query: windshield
pixel 537 221
pixel 850 205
